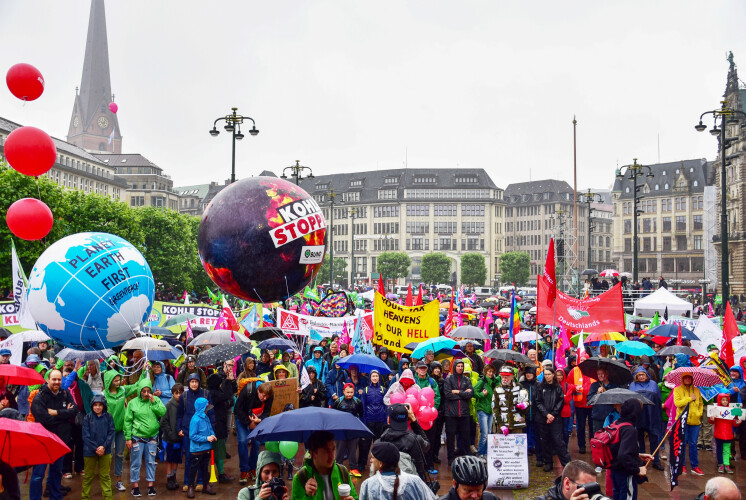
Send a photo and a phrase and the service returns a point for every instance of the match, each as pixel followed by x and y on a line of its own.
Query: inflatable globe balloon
pixel 91 291
pixel 262 239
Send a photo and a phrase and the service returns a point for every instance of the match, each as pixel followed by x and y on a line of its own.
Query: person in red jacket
pixel 566 409
pixel 723 432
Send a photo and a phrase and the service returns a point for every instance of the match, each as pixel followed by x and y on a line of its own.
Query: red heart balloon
pixel 25 82
pixel 29 219
pixel 30 151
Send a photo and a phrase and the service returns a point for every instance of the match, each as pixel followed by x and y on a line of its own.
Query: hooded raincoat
pixel 200 428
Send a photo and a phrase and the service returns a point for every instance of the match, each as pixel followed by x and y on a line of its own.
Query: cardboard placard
pixel 285 391
pixel 507 461
pixel 724 412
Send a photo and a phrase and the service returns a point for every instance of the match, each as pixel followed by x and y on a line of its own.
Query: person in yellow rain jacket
pixel 688 394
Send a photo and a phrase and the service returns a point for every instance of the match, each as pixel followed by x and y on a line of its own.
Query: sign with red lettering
pixel 602 313
pixel 395 325
pixel 300 218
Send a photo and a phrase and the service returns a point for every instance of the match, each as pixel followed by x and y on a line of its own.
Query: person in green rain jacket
pixel 116 395
pixel 141 425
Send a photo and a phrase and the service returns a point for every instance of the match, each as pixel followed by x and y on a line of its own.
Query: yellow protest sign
pixel 396 326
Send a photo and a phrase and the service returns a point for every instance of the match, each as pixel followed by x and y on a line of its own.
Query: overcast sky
pixel 352 85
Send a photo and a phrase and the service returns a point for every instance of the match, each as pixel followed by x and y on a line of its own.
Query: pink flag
pixel 459 319
pixel 345 337
pixel 564 344
pixel 481 321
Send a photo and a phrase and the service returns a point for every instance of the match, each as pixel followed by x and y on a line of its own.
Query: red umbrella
pixel 20 375
pixel 503 315
pixel 703 377
pixel 28 443
pixel 609 273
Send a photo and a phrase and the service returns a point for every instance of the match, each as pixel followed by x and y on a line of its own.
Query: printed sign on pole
pixel 507 461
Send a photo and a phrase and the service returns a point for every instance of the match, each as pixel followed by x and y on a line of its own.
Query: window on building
pixel 386 211
pixel 668 264
pixel 387 194
pixel 697 203
pixel 418 210
pixel 666 243
pixel 627 244
pixel 680 203
pixel 472 227
pixel 415 227
pixel 646 245
pixel 666 223
pixel 472 210
pixel 356 183
pixel 682 264
pixel 681 242
pixel 445 227
pixel 680 223
pixel 627 226
pixel 697 242
pixel 698 264
pixel 697 222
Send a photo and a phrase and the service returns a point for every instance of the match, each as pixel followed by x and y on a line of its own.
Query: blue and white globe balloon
pixel 91 291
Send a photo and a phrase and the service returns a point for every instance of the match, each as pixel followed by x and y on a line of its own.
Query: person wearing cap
pixel 422 380
pixel 530 385
pixel 458 394
pixel 5 356
pixel 388 482
pixel 414 442
pixel 141 426
pixel 687 394
pixel 511 403
pixel 189 368
pixel 374 412
pixel 184 414
pixel 469 480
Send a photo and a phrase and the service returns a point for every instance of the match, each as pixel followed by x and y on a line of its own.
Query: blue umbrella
pixel 435 344
pixel 298 425
pixel 159 330
pixel 154 355
pixel 635 348
pixel 365 363
pixel 277 343
pixel 671 330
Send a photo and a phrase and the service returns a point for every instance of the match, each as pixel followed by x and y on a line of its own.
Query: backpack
pixel 303 475
pixel 601 444
pixel 406 464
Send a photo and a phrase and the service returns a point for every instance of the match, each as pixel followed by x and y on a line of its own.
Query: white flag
pixel 304 379
pixel 19 292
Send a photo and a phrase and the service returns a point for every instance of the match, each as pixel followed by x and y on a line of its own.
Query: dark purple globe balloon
pixel 262 239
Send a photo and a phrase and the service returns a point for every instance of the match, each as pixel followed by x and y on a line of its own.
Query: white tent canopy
pixel 660 300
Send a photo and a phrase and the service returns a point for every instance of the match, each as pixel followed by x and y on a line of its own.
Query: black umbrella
pixel 468 332
pixel 640 321
pixel 507 355
pixel 589 272
pixel 676 349
pixel 222 352
pixel 617 397
pixel 4 333
pixel 265 333
pixel 525 307
pixel 618 373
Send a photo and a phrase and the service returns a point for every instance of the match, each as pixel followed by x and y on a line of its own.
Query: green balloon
pixel 272 446
pixel 288 449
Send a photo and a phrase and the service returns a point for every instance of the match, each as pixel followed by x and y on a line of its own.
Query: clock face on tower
pixel 76 121
pixel 103 122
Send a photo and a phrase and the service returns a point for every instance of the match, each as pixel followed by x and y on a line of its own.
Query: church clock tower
pixel 93 126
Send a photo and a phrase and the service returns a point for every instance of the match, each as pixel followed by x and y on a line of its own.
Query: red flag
pixel 730 331
pixel 678 336
pixel 381 288
pixel 419 296
pixel 410 300
pixel 549 276
pixel 448 327
pixel 227 319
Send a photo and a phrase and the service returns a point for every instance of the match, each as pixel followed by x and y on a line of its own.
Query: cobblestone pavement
pixel 657 487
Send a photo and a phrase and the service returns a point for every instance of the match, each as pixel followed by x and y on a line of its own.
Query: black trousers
pixel 364 444
pixel 583 415
pixel 199 462
pixel 552 442
pixel 457 428
pixel 76 446
pixel 436 431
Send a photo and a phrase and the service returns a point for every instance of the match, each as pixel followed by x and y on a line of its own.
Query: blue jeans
pixel 246 458
pixel 139 448
pixel 485 427
pixel 690 438
pixel 117 452
pixel 54 480
pixel 566 429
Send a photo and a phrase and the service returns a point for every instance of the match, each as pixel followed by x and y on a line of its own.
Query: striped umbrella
pixel 703 377
pixel 606 338
pixel 607 273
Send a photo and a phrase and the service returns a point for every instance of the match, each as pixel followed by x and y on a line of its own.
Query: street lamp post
pixel 233 124
pixel 632 172
pixel 727 116
pixel 353 214
pixel 589 198
pixel 560 218
pixel 297 172
pixel 704 282
pixel 332 199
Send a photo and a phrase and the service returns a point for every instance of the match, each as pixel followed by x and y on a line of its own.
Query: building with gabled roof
pixel 147 184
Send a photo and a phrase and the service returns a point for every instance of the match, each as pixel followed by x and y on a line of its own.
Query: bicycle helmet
pixel 469 470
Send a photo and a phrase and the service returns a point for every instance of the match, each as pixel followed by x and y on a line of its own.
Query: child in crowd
pixel 201 437
pixel 350 404
pixel 170 434
pixel 98 435
pixel 116 395
pixel 723 431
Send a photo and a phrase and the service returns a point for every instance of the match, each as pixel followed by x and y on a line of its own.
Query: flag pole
pixel 663 441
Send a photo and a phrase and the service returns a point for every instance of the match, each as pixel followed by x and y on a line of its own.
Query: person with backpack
pixel 602 384
pixel 170 435
pixel 627 463
pixel 98 436
pixel 321 476
pixel 549 401
pixel 374 413
pixel 388 482
pixel 412 442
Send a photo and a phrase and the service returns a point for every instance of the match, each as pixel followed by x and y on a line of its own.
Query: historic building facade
pixel 417 211
pixel 147 185
pixel 670 222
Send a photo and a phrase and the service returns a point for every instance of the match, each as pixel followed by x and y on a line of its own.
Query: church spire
pixel 92 125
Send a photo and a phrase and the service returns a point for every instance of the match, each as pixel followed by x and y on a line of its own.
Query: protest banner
pixel 10 317
pixel 725 412
pixel 720 368
pixel 600 314
pixel 284 391
pixel 507 461
pixel 397 325
pixel 293 323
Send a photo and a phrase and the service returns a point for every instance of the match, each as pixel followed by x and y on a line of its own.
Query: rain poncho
pixel 398 386
pixel 738 383
pixel 381 487
pixel 163 382
pixel 200 428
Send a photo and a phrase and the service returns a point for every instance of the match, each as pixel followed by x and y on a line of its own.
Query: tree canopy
pixel 393 265
pixel 340 270
pixel 473 269
pixel 436 268
pixel 515 267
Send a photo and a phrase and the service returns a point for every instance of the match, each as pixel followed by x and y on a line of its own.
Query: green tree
pixel 393 265
pixel 515 267
pixel 340 270
pixel 473 269
pixel 436 268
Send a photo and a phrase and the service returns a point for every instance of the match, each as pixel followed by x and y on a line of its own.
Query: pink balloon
pixel 429 394
pixel 426 424
pixel 413 391
pixel 397 397
pixel 413 402
pixel 113 107
pixel 428 413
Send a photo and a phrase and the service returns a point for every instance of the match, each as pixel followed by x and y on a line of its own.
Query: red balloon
pixel 30 151
pixel 113 107
pixel 25 82
pixel 29 219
